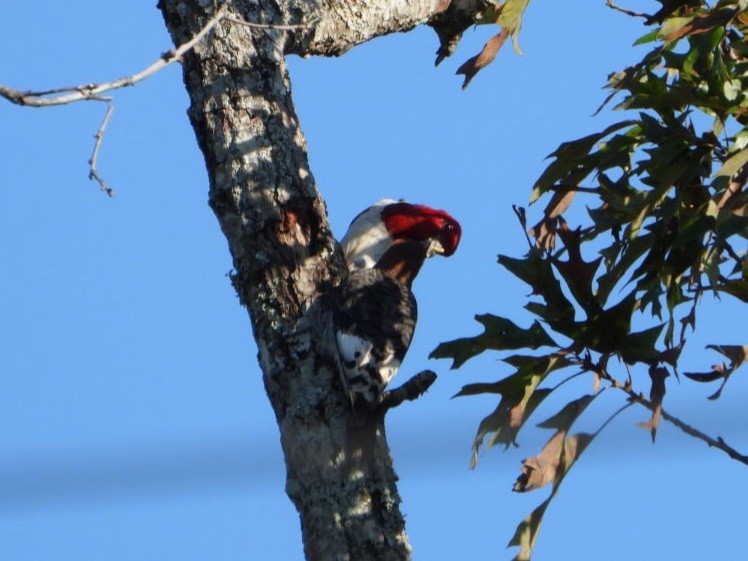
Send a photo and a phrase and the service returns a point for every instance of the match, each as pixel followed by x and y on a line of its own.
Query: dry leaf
pixel 544 231
pixel 737 355
pixel 471 67
pixel 540 470
pixel 703 24
pixel 656 395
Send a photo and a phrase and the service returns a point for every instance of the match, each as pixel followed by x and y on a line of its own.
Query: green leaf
pixel 733 164
pixel 732 89
pixel 673 24
pixel 527 532
pixel 632 251
pixel 569 156
pixel 730 225
pixel 640 346
pixel 736 288
pixel 647 38
pixel 543 365
pixel 538 273
pixel 518 399
pixel 510 18
pixel 498 334
pixel 607 332
pixel 577 273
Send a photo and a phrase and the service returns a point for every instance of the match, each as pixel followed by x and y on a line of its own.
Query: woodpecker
pixel 374 311
pixel 375 229
pixel 374 316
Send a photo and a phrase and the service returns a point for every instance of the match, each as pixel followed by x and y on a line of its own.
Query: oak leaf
pixel 472 66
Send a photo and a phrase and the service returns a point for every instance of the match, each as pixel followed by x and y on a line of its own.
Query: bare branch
pixel 612 5
pixel 343 24
pixel 686 428
pixel 99 136
pixel 87 92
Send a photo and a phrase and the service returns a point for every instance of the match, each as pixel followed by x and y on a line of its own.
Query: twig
pixel 99 136
pixel 688 429
pixel 92 92
pixel 62 96
pixel 410 390
pixel 612 5
pixel 522 217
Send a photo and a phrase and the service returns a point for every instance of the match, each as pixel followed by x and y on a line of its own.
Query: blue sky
pixel 133 422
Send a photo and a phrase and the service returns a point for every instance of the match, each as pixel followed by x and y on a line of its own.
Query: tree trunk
pixel 284 256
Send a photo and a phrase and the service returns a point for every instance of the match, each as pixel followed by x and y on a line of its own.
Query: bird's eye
pixel 448 227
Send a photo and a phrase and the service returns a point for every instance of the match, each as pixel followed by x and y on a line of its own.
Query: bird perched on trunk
pixel 374 311
pixel 375 229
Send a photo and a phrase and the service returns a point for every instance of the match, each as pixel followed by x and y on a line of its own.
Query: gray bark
pixel 284 256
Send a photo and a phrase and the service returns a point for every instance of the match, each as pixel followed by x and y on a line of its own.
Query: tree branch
pixel 343 24
pixel 88 92
pixel 686 428
pixel 612 5
pixel 92 161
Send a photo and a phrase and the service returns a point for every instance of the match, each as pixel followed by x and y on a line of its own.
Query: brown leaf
pixel 656 395
pixel 737 354
pixel 668 7
pixel 702 24
pixel 544 231
pixel 573 448
pixel 471 67
pixel 540 470
pixel 599 369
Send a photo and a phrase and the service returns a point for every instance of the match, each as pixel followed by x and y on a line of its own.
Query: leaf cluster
pixel 667 224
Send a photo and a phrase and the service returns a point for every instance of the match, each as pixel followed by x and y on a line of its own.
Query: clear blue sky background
pixel 133 422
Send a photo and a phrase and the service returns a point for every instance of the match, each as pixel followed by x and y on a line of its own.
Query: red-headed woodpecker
pixel 374 312
pixel 375 229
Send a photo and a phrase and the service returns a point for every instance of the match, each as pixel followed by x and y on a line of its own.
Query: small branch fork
pixel 86 92
pixel 688 429
pixel 92 92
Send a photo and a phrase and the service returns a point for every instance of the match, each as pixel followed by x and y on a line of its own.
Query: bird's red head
pixel 421 223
